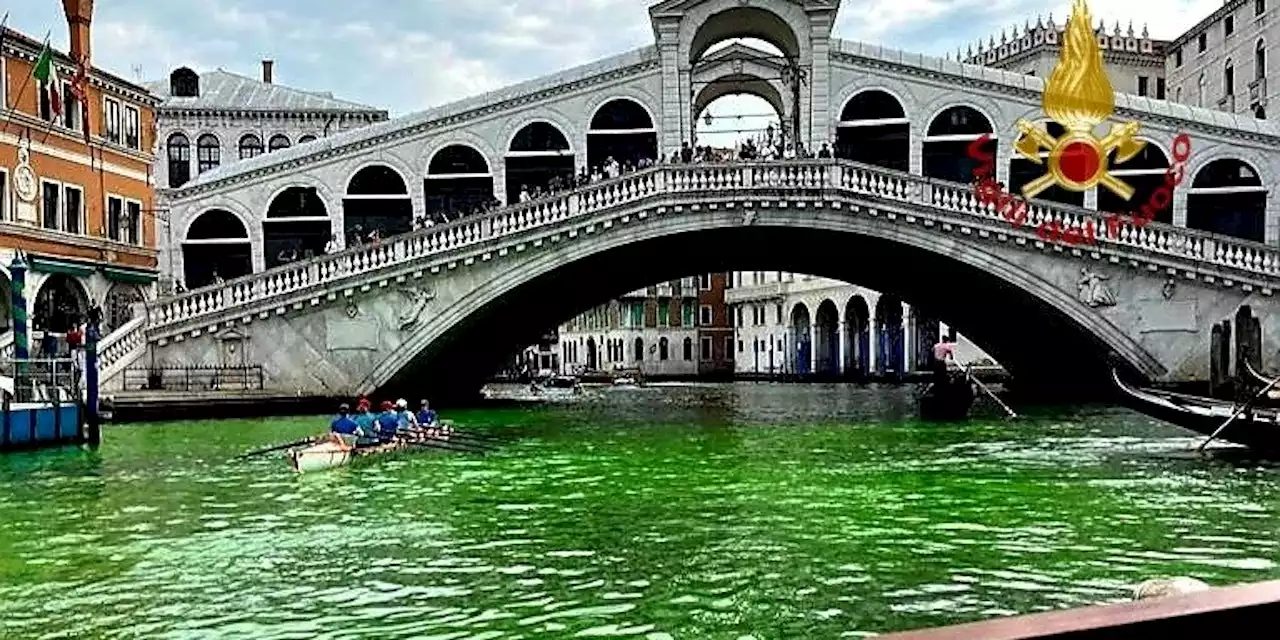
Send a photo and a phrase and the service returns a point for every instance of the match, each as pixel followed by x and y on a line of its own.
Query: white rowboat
pixel 329 454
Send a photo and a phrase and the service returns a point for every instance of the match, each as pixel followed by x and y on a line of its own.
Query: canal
pixel 682 511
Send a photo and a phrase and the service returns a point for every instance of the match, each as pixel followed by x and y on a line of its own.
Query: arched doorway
pixel 377 200
pixel 60 303
pixel 592 361
pixel 826 337
pixel 664 349
pixel 538 160
pixel 216 246
pixel 639 350
pixel 873 129
pixel 120 301
pixel 801 336
pixel 1145 173
pixel 1227 196
pixel 857 327
pixel 1023 171
pixel 945 153
pixel 458 183
pixel 927 331
pixel 891 336
pixel 297 226
pixel 623 130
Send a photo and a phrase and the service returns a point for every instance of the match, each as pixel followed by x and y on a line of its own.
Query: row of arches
pixel 208 152
pixel 857 343
pixel 1226 195
pixel 61 301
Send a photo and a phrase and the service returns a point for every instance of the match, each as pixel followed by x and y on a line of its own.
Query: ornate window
pixel 208 153
pixel 178 149
pixel 278 142
pixel 250 146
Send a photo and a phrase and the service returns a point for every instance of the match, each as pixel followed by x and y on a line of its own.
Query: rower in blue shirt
pixel 346 430
pixel 365 420
pixel 426 415
pixel 388 422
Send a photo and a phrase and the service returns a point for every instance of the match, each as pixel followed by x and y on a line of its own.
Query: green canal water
pixel 700 511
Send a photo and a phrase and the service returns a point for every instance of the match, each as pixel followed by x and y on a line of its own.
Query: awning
pixel 129 276
pixel 49 265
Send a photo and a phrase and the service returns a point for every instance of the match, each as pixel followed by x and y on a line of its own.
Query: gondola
pixel 1257 428
pixel 949 402
pixel 1261 378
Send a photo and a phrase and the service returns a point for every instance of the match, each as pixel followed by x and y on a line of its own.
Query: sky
pixel 409 55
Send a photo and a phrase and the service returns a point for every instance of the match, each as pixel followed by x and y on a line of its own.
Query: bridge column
pixel 813 343
pixel 675 92
pixel 1091 199
pixel 843 339
pixel 1180 207
pixel 908 338
pixel 820 129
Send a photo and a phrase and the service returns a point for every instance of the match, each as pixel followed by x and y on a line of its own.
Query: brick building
pixel 81 212
pixel 715 329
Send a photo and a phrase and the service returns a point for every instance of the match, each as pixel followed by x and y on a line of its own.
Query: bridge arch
pixel 1146 174
pixel 891 335
pixel 783 25
pixel 1228 196
pixel 945 148
pixel 873 128
pixel 458 182
pixel 610 264
pixel 297 225
pixel 215 246
pixel 622 128
pixel 539 158
pixel 377 200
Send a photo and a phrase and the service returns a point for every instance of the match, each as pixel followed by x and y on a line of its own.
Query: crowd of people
pixel 392 422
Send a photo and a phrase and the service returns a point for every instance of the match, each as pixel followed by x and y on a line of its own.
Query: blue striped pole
pixel 18 303
pixel 92 333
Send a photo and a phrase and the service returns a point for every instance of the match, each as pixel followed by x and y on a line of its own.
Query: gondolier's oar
pixel 969 374
pixel 1244 407
pixel 287 445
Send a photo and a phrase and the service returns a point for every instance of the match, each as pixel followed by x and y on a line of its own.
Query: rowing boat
pixel 330 455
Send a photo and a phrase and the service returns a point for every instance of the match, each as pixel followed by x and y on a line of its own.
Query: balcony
pixel 1227 103
pixel 1258 92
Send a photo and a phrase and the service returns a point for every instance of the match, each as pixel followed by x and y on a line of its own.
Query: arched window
pixel 1228 79
pixel 250 146
pixel 1201 87
pixel 278 142
pixel 688 348
pixel 184 83
pixel 306 138
pixel 458 183
pixel 208 152
pixel 1259 61
pixel 639 349
pixel 178 149
pixel 1227 196
pixel 874 129
pixel 945 152
pixel 663 349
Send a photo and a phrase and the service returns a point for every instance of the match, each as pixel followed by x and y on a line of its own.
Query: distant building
pixel 797 324
pixel 1222 62
pixel 715 329
pixel 653 331
pixel 1135 62
pixel 76 203
pixel 211 119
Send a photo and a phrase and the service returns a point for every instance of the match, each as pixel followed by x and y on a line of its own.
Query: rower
pixel 405 420
pixel 943 352
pixel 426 415
pixel 387 422
pixel 343 429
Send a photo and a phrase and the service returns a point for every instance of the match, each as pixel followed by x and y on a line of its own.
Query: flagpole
pixel 22 90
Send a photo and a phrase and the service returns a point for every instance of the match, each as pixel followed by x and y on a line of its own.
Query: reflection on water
pixel 675 511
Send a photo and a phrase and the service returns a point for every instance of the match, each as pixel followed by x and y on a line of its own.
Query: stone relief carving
pixel 1094 290
pixel 1170 287
pixel 417 300
pixel 352 309
pixel 748 217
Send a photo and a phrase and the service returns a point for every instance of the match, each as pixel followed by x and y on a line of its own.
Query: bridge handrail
pixel 115 347
pixel 847 176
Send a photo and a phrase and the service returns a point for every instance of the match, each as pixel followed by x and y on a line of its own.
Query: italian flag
pixel 48 75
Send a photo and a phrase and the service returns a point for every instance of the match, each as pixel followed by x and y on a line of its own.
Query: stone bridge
pixel 435 310
pixel 890 211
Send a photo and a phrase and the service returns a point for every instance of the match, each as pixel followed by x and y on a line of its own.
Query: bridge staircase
pixel 857 189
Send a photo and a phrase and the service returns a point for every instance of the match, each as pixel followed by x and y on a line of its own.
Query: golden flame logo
pixel 1078 96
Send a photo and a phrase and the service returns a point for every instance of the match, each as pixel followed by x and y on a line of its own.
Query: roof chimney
pixel 267 66
pixel 79 14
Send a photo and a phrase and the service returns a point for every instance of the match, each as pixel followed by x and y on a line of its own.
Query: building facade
pixel 788 324
pixel 716 351
pixel 653 331
pixel 76 204
pixel 1135 62
pixel 1222 62
pixel 210 119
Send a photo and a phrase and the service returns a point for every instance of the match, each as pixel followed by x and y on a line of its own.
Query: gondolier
pixel 944 352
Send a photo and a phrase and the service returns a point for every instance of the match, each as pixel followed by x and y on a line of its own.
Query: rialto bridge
pixel 892 211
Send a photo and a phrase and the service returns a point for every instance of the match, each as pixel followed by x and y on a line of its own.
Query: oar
pixel 436 442
pixel 1244 407
pixel 969 374
pixel 287 445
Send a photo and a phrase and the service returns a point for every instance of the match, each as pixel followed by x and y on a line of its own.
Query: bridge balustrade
pixel 827 179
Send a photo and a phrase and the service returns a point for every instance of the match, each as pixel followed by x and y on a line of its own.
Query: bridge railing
pixel 783 177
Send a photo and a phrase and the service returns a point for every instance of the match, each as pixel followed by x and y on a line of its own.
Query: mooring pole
pixel 21 337
pixel 92 419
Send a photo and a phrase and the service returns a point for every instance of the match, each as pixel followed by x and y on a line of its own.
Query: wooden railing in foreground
pixel 1245 611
